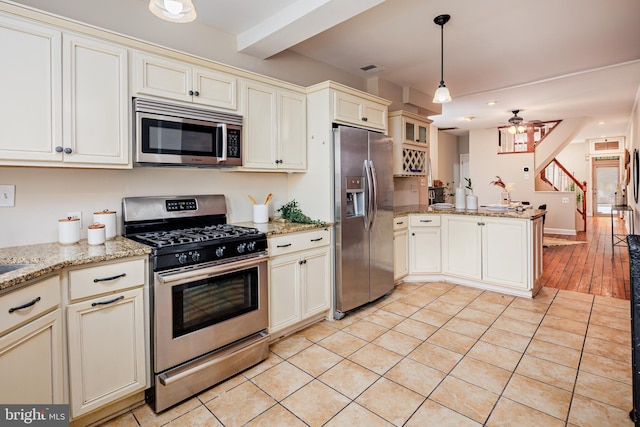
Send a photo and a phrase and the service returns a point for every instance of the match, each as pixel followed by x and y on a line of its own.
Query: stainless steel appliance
pixel 170 134
pixel 209 293
pixel 363 217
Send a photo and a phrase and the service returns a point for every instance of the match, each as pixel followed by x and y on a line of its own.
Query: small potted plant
pixel 471 199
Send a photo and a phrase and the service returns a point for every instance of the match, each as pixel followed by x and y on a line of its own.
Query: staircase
pixel 559 178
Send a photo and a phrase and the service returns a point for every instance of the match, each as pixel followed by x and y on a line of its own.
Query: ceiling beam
pixel 296 23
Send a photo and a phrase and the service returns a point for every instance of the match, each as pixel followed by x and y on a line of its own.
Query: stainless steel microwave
pixel 178 135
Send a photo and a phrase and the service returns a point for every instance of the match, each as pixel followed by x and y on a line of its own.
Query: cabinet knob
pixel 196 93
pixel 59 149
pixel 191 92
pixel 364 119
pixel 68 150
pixel 413 234
pixel 481 223
pixel 302 261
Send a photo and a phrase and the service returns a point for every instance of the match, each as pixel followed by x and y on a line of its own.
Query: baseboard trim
pixel 562 231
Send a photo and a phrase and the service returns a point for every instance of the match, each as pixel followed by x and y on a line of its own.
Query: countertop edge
pixel 526 214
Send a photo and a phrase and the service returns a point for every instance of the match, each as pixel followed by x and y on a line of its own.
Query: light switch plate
pixel 565 200
pixel 7 195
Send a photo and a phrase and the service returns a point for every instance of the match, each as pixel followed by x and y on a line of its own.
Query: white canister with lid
pixel 96 234
pixel 69 230
pixel 108 218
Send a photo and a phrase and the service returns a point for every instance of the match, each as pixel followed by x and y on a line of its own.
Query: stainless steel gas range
pixel 209 293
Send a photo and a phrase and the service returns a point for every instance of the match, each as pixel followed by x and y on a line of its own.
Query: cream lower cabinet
pixel 106 334
pixel 31 345
pixel 492 250
pixel 299 279
pixel 400 247
pixel 424 244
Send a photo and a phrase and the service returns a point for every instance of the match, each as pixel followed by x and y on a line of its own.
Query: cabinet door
pixel 260 126
pixel 425 250
pixel 31 87
pixel 376 115
pixel 106 349
pixel 284 292
pixel 506 251
pixel 361 112
pixel 96 102
pixel 400 254
pixel 215 89
pixel 31 362
pixel 315 281
pixel 162 77
pixel 462 246
pixel 292 130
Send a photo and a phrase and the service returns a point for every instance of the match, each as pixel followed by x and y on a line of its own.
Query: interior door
pixel 606 175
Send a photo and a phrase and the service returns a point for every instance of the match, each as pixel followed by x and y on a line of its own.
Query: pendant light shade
pixel 442 94
pixel 173 10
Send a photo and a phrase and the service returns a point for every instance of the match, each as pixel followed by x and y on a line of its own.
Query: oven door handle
pixel 203 272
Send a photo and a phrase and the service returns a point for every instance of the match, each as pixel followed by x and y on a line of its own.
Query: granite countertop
pixel 276 227
pixel 47 258
pixel 529 213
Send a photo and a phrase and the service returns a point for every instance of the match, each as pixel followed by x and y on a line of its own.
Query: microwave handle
pixel 223 158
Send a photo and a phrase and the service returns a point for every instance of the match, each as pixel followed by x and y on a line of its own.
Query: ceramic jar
pixel 108 218
pixel 69 230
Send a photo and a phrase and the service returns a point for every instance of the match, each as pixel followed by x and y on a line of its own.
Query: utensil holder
pixel 260 214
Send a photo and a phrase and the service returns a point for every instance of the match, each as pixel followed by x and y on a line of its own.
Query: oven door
pixel 201 309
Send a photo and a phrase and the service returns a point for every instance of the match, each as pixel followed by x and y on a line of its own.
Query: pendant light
pixel 442 94
pixel 181 11
pixel 516 123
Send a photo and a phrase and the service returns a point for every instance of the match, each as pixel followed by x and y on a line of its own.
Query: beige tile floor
pixel 434 354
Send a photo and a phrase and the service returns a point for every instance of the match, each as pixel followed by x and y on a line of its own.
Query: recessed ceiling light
pixel 469 118
pixel 492 102
pixel 600 122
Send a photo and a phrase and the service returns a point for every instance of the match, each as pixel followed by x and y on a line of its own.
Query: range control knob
pixel 182 258
pixel 241 248
pixel 251 246
pixel 195 256
pixel 220 251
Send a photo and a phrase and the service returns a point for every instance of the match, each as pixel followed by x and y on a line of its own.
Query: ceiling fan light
pixel 181 11
pixel 521 128
pixel 512 130
pixel 442 94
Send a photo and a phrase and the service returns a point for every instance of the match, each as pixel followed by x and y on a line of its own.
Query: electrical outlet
pixel 77 215
pixel 423 182
pixel 7 195
pixel 526 176
pixel 565 200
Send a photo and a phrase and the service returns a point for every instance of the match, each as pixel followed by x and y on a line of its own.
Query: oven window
pixel 197 305
pixel 166 137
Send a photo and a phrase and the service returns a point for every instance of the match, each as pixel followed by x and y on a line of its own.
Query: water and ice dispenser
pixel 355 196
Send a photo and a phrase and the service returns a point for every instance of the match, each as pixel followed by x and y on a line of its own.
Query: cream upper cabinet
pixel 64 99
pixel 351 109
pixel 31 343
pixel 181 81
pixel 400 247
pixel 299 279
pixel 31 88
pixel 106 333
pixel 96 102
pixel 274 128
pixel 410 134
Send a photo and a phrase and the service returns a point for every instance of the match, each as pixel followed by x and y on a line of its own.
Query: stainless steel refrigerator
pixel 363 217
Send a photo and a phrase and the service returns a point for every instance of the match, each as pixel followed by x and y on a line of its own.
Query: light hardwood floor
pixel 594 267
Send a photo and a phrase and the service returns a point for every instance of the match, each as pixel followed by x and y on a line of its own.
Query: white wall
pixel 485 164
pixel 44 195
pixel 574 159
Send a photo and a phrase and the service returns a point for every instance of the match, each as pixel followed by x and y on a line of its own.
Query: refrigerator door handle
pixel 374 187
pixel 368 208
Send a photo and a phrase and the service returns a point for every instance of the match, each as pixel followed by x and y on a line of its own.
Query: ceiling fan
pixel 518 125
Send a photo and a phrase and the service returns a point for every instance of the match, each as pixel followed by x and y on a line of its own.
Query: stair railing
pixel 560 179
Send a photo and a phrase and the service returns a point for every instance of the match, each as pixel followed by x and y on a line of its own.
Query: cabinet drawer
pixel 294 242
pixel 44 295
pixel 106 278
pixel 424 220
pixel 400 223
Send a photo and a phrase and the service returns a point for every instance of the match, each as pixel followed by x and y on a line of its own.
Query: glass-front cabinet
pixel 410 134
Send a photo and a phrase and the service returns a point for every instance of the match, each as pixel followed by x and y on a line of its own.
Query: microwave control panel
pixel 233 142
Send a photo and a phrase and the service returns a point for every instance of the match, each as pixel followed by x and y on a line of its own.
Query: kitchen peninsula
pixel 498 250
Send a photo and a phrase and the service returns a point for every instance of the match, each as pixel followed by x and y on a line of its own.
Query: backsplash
pixel 44 195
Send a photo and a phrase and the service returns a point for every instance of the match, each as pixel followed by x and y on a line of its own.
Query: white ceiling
pixel 551 59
